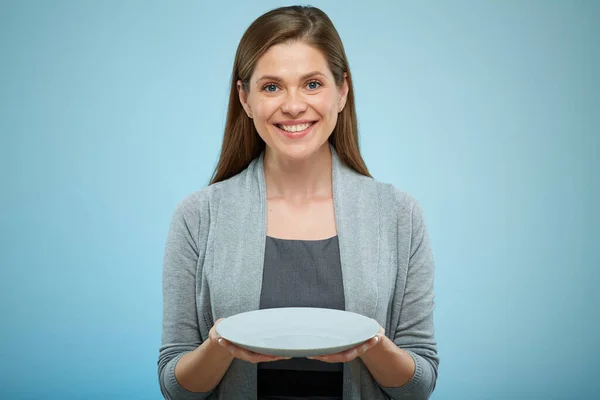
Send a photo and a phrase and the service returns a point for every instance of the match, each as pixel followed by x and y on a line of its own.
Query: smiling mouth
pixel 295 128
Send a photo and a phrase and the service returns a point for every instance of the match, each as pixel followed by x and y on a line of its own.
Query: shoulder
pixel 401 209
pixel 202 201
pixel 394 198
pixel 389 197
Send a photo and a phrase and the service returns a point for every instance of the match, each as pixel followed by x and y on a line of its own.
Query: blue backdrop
pixel 487 112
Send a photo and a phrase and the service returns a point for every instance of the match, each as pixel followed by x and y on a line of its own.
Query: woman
pixel 293 218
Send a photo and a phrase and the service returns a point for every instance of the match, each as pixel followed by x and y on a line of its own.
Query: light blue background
pixel 487 112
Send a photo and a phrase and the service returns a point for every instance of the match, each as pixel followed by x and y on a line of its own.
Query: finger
pixel 334 357
pixel 235 351
pixel 273 358
pixel 258 358
pixel 250 356
pixel 363 348
pixel 330 358
pixel 212 333
pixel 214 336
pixel 244 355
pixel 350 354
pixel 262 357
pixel 371 343
pixel 345 356
pixel 276 358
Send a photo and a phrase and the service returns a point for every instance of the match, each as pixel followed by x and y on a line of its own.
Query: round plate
pixel 297 331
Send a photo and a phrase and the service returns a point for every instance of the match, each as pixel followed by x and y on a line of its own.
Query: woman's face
pixel 293 99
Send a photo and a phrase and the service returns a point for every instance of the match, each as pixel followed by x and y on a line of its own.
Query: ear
pixel 343 93
pixel 243 98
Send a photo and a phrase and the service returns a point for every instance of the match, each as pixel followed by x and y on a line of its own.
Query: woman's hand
pixel 351 354
pixel 239 352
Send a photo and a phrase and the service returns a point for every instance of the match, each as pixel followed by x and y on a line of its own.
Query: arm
pixel 406 366
pixel 201 370
pixel 189 366
pixel 389 365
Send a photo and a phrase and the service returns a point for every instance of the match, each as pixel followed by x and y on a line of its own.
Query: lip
pixel 296 135
pixel 295 121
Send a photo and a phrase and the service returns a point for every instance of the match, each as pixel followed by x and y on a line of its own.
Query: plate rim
pixel 333 310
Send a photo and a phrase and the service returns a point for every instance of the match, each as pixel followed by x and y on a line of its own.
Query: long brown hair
pixel 241 142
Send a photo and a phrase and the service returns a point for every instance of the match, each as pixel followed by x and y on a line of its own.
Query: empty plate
pixel 297 331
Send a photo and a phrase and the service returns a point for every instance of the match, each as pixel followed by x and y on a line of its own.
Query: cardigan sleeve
pixel 180 331
pixel 415 332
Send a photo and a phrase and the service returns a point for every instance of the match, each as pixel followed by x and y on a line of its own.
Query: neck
pixel 298 180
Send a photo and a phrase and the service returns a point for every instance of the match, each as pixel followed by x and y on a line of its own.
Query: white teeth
pixel 295 128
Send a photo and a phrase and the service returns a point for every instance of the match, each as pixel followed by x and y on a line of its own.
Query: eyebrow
pixel 302 78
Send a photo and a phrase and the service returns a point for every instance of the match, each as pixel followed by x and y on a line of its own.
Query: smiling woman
pixel 294 112
pixel 290 68
pixel 292 218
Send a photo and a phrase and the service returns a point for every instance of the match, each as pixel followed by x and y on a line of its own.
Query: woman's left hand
pixel 351 354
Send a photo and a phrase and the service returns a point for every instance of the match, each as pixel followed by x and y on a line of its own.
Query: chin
pixel 296 152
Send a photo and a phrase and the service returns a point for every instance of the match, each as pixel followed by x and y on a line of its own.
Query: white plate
pixel 297 331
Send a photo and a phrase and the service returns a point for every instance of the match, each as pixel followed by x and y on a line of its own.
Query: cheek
pixel 327 106
pixel 264 109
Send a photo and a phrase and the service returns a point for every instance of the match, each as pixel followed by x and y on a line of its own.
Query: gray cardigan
pixel 213 267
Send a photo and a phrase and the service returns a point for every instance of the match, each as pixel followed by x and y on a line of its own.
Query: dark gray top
pixel 302 273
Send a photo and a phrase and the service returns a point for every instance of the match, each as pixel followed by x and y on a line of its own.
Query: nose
pixel 293 103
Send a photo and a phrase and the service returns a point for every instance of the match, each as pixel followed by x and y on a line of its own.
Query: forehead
pixel 290 60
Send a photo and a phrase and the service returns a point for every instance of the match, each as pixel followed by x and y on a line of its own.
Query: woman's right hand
pixel 239 352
